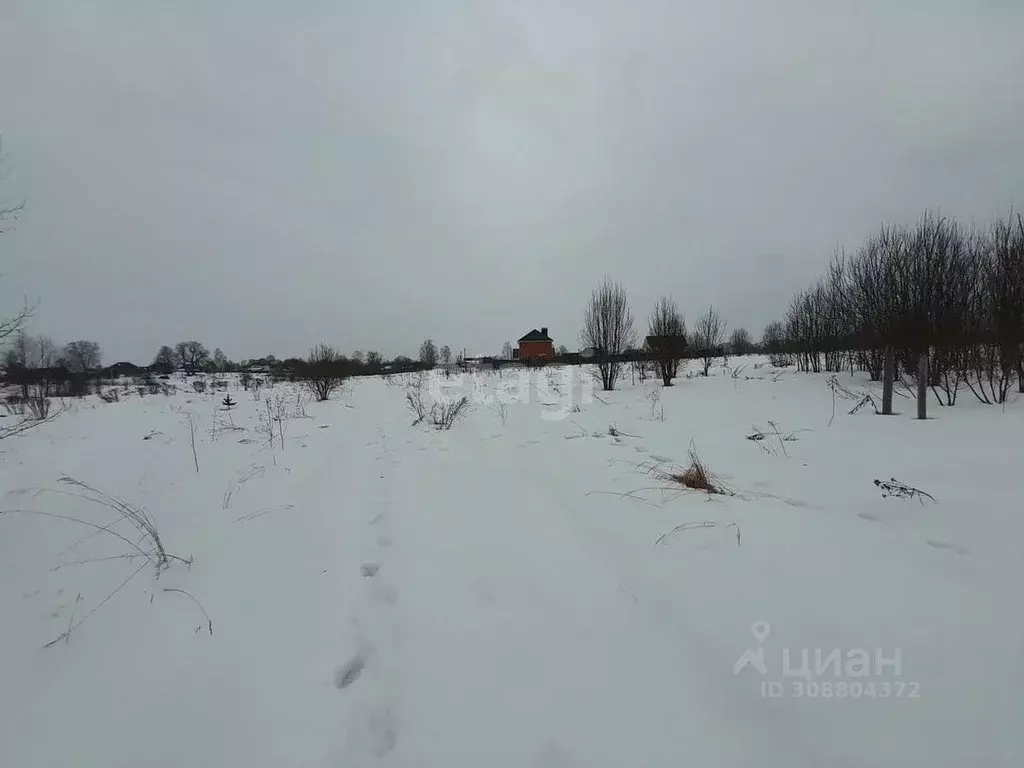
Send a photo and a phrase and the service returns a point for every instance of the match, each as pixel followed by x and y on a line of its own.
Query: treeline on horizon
pixel 937 299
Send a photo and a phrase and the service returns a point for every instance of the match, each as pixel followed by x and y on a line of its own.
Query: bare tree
pixel 740 342
pixel 666 338
pixel 45 360
pixel 45 352
pixel 16 362
pixel 324 371
pixel 374 360
pixel 191 355
pixel 709 337
pixel 11 325
pixel 773 341
pixel 81 356
pixel 608 328
pixel 428 354
pixel 14 323
pixel 20 351
pixel 166 361
pixel 446 357
pixel 8 209
pixel 506 351
pixel 33 364
pixel 220 360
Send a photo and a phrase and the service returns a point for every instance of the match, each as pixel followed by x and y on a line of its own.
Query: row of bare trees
pixel 939 300
pixel 189 356
pixel 609 332
pixel 325 370
pixel 36 364
pixel 431 357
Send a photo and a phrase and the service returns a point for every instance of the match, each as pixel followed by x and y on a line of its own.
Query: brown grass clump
pixel 697 476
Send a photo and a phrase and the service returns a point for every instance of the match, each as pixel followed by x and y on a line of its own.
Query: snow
pixel 384 594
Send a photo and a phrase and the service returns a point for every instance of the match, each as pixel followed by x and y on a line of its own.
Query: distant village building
pixel 536 345
pixel 117 370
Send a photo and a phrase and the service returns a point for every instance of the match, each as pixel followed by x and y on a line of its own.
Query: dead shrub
pixel 500 407
pixel 324 372
pixel 447 413
pixel 38 406
pixel 34 410
pixel 416 398
pixel 442 414
pixel 14 405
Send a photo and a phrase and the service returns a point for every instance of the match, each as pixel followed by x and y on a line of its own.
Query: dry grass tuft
pixel 697 476
pixel 143 541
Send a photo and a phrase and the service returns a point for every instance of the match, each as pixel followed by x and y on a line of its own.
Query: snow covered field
pixel 501 594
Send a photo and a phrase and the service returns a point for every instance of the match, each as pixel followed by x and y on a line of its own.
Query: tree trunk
pixel 922 386
pixel 665 369
pixel 887 382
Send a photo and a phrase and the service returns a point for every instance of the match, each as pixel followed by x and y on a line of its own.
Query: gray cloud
pixel 266 175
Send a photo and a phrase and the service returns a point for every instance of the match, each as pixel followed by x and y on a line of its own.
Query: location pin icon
pixel 760 630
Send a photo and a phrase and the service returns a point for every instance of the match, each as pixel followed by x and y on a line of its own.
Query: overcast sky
pixel 262 175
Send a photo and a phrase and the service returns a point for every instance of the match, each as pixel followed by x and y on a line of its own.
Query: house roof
pixel 123 366
pixel 536 335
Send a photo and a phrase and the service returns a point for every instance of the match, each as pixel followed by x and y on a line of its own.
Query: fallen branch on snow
pixel 893 487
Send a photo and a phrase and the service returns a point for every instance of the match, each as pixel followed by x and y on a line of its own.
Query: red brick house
pixel 536 345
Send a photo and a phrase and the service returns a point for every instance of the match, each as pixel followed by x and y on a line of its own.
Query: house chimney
pixel 544 330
